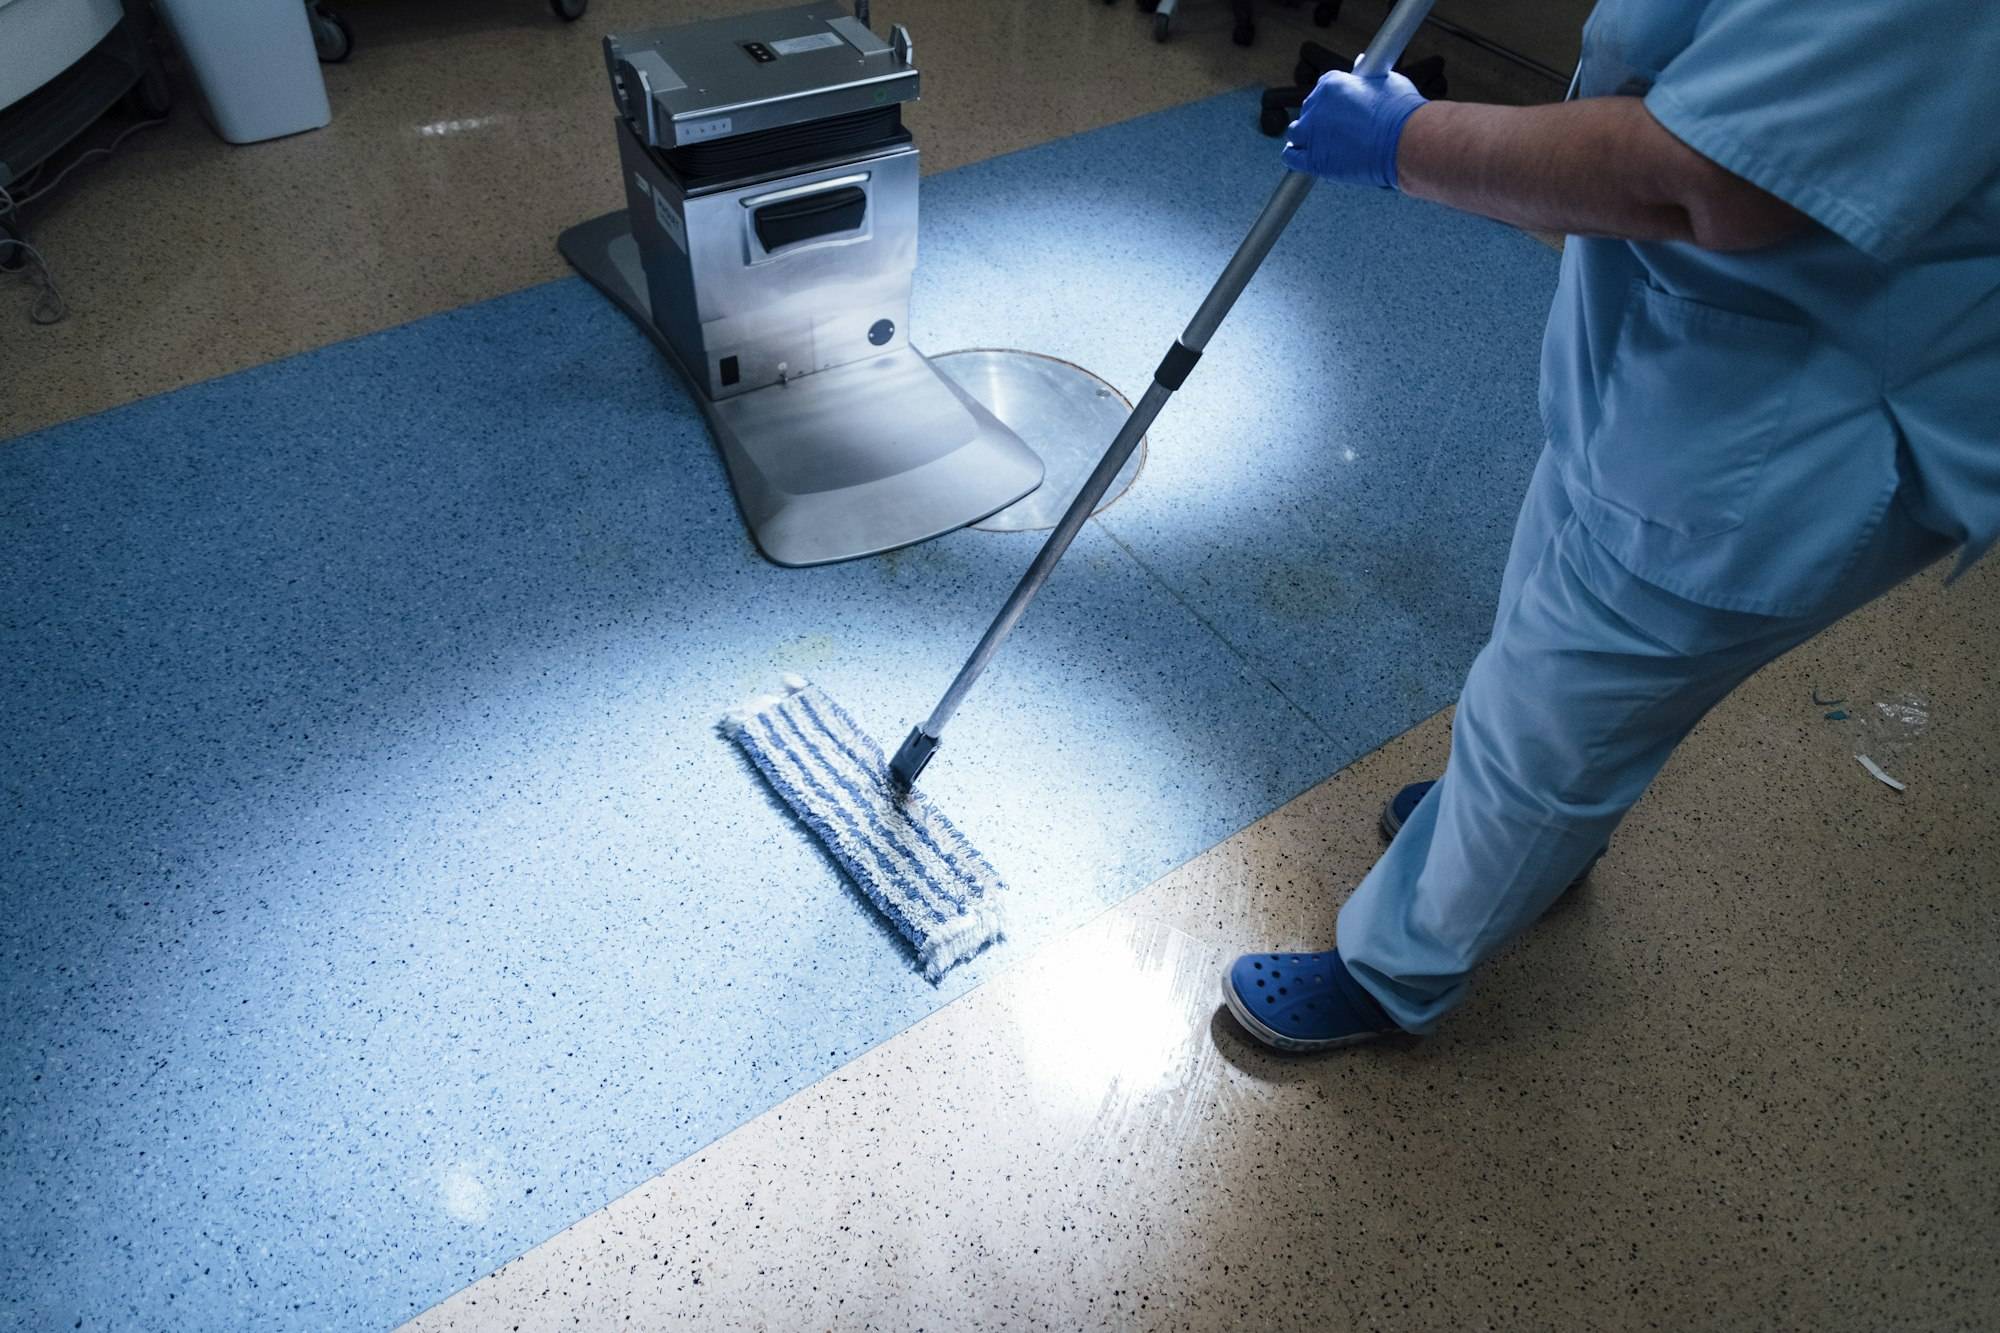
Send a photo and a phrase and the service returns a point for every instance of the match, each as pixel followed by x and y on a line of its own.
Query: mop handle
pixel 1395 33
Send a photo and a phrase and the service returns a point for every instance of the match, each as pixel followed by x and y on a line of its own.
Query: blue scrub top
pixel 1728 425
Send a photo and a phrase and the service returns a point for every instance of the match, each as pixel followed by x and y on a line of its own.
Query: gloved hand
pixel 1349 128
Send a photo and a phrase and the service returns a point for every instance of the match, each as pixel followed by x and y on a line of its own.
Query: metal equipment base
pixel 840 463
pixel 1061 411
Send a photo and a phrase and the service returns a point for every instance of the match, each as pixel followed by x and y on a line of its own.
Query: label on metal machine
pixel 697 130
pixel 792 46
pixel 670 221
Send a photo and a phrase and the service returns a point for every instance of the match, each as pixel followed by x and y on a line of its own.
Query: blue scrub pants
pixel 1590 680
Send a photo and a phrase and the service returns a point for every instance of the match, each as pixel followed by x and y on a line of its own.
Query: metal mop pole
pixel 922 742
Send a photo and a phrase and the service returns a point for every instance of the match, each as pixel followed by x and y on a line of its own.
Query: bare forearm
pixel 1596 167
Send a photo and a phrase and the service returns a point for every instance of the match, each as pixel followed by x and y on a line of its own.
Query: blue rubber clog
pixel 1402 805
pixel 1405 802
pixel 1302 1001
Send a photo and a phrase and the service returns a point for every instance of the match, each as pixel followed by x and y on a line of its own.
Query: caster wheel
pixel 150 98
pixel 1325 12
pixel 1162 23
pixel 1278 108
pixel 569 11
pixel 1147 6
pixel 333 40
pixel 1243 34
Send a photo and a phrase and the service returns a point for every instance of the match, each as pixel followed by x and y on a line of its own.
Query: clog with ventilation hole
pixel 1302 1001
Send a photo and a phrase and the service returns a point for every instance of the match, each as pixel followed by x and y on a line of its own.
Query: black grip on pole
pixel 1174 367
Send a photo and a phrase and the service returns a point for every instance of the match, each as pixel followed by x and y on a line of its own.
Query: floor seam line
pixel 1202 620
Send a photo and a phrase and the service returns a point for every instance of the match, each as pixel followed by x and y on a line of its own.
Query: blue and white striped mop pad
pixel 909 860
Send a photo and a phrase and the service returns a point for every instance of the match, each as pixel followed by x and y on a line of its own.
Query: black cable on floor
pixel 49 306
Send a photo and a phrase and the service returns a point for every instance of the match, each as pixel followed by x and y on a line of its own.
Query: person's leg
pixel 1591 679
pixel 1544 510
pixel 1310 1001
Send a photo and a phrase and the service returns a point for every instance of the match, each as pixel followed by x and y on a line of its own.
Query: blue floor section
pixel 380 896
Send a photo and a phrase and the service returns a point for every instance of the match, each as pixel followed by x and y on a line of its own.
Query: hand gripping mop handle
pixel 916 751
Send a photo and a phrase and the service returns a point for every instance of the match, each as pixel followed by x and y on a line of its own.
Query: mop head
pixel 905 856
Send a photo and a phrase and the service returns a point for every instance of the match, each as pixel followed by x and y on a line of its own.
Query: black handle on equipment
pixel 807 219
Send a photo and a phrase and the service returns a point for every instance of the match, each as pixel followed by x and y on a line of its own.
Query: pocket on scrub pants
pixel 1696 399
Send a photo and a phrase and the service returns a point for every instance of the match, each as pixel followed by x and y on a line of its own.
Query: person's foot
pixel 1402 805
pixel 1405 802
pixel 1302 1001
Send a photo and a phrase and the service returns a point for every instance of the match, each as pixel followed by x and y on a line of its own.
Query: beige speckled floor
pixel 1746 1078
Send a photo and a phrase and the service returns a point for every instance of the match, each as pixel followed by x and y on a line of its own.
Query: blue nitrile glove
pixel 1349 128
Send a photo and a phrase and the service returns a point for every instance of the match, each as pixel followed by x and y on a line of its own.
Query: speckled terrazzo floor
pixel 374 831
pixel 1745 1080
pixel 1709 1092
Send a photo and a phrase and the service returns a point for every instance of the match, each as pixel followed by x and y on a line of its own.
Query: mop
pixel 900 851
